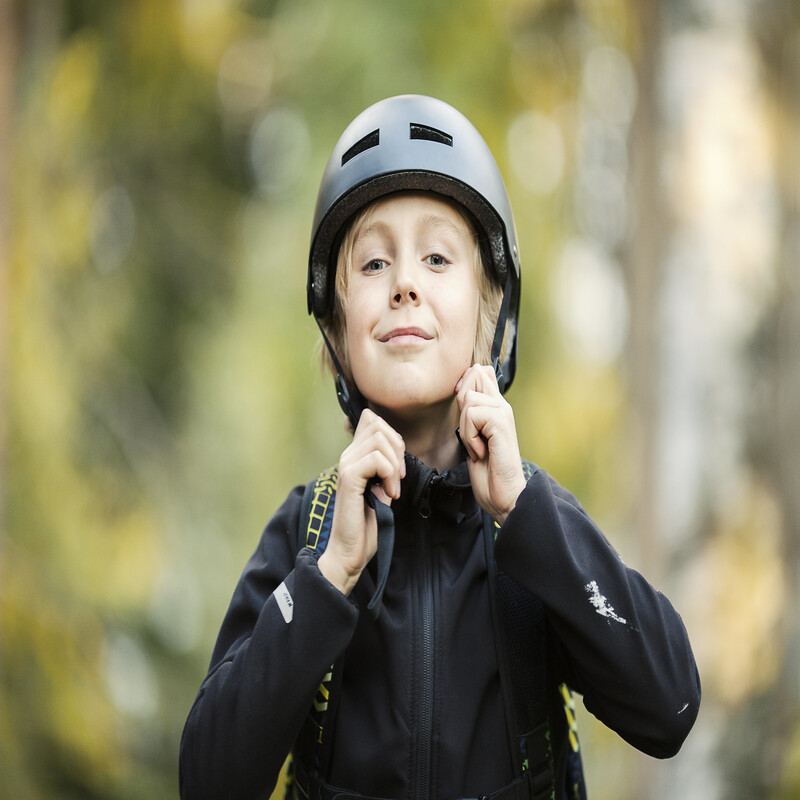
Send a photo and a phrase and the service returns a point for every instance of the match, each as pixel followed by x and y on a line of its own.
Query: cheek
pixel 464 322
pixel 357 325
pixel 361 303
pixel 353 311
pixel 351 339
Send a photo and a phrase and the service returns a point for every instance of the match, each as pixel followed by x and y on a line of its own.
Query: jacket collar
pixel 426 492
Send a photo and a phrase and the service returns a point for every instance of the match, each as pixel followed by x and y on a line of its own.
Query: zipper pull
pixel 425 499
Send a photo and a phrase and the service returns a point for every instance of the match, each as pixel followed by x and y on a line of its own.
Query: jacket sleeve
pixel 285 626
pixel 625 647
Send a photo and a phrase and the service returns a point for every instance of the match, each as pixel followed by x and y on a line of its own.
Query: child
pixel 489 577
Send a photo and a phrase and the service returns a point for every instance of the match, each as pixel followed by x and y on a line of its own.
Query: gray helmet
pixel 413 142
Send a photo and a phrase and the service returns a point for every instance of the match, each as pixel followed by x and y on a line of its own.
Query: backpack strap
pixel 521 643
pixel 521 640
pixel 316 520
pixel 312 750
pixel 316 511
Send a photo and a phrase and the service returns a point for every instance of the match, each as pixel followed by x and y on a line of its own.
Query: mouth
pixel 406 335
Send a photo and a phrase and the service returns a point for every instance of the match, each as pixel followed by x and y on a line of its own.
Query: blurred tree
pixel 123 218
pixel 644 265
pixel 763 745
pixel 8 67
pixel 8 71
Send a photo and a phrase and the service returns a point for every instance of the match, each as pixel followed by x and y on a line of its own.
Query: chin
pixel 411 403
pixel 408 389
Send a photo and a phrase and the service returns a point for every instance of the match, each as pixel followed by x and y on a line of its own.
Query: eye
pixel 374 266
pixel 437 261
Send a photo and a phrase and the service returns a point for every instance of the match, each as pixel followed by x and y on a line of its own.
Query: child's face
pixel 412 303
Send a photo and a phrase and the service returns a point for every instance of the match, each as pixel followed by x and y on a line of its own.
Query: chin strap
pixel 499 335
pixel 385 549
pixel 353 403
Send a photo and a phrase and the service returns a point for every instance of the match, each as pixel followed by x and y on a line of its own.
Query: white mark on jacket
pixel 600 603
pixel 683 709
pixel 285 602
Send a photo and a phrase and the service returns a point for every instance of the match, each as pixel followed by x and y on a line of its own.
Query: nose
pixel 405 288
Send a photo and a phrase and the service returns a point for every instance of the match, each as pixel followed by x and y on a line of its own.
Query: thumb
pixel 380 494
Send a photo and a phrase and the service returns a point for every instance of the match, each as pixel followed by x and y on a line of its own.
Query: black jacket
pixel 420 712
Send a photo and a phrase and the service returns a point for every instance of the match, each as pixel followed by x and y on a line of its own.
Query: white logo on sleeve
pixel 600 603
pixel 285 602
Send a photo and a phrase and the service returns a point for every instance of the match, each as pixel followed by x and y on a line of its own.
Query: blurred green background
pixel 159 382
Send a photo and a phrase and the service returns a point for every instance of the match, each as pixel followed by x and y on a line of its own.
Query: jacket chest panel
pixel 421 685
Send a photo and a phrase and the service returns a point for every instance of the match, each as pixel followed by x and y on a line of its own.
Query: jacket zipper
pixel 422 779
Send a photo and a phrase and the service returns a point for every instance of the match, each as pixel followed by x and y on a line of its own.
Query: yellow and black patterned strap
pixel 316 513
pixel 314 529
pixel 569 711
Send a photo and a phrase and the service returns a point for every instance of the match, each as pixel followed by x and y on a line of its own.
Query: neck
pixel 429 434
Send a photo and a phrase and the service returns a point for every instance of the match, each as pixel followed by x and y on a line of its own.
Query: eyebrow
pixel 445 225
pixel 368 230
pixel 426 221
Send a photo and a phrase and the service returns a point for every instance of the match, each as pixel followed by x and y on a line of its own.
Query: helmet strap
pixel 351 402
pixel 499 334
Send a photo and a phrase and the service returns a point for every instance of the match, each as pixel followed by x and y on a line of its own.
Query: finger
pixel 486 380
pixel 480 388
pixel 378 491
pixel 370 459
pixel 356 466
pixel 367 419
pixel 391 464
pixel 470 435
pixel 466 384
pixel 482 416
pixel 377 433
pixel 479 378
pixel 471 425
pixel 396 445
pixel 377 465
pixel 467 380
pixel 393 448
pixel 373 423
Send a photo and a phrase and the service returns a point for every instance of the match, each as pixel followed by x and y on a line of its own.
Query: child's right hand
pixel 377 450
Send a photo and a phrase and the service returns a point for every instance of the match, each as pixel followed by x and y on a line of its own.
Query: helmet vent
pixel 370 140
pixel 419 131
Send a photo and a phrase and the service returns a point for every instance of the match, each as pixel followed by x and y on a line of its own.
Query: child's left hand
pixel 489 434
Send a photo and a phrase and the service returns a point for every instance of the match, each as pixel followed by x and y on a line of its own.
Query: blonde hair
pixel 490 296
